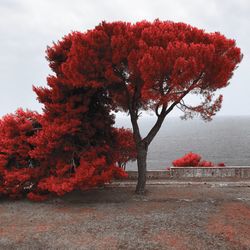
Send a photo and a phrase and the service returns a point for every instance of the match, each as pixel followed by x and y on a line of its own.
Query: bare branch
pixel 180 108
pixel 157 110
pixel 165 111
pixel 150 136
pixel 192 86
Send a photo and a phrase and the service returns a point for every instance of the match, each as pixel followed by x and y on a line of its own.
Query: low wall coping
pixel 215 167
pixel 196 172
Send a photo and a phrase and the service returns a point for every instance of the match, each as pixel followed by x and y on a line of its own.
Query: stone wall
pixel 196 172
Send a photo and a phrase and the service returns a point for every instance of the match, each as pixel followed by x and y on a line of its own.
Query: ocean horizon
pixel 224 139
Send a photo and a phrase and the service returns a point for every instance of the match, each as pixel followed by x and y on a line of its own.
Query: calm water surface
pixel 225 139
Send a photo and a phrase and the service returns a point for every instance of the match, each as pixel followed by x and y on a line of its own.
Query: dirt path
pixel 168 217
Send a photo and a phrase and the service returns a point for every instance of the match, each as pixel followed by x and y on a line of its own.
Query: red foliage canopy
pixel 147 65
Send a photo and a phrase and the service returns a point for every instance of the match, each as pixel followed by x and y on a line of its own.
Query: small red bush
pixel 194 160
pixel 189 159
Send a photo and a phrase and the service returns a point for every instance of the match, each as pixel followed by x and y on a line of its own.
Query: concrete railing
pixel 239 172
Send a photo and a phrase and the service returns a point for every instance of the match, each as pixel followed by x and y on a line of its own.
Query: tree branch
pixel 157 110
pixel 192 86
pixel 150 136
pixel 165 111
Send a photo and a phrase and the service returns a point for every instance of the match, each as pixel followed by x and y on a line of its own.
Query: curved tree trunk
pixel 142 169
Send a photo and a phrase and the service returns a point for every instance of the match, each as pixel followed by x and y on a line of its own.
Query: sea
pixel 224 139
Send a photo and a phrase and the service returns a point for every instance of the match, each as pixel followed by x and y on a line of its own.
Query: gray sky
pixel 28 26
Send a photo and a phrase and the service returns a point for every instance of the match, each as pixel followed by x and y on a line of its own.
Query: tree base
pixel 140 191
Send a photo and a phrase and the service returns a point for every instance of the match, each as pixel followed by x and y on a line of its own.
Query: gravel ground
pixel 167 217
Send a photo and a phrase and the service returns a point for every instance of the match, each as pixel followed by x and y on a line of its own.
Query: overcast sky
pixel 28 26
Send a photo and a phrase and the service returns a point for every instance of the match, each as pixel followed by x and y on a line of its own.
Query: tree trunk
pixel 142 169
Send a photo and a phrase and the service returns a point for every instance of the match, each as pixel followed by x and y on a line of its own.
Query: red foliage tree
pixel 148 66
pixel 71 146
pixel 194 160
pixel 77 140
pixel 19 172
